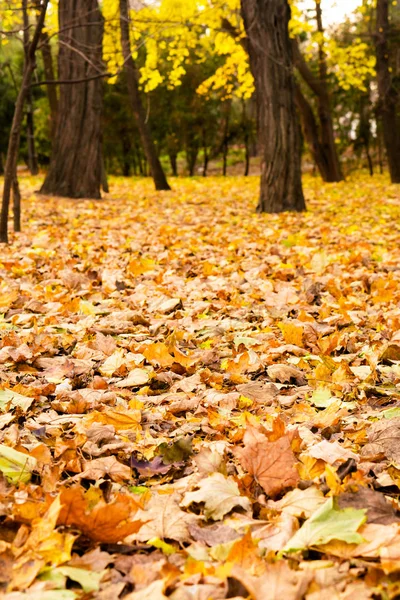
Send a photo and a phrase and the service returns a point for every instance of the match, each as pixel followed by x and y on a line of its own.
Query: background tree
pixel 10 171
pixel 271 65
pixel 75 168
pixel 388 37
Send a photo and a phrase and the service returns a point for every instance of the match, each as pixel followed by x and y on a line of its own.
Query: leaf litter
pixel 198 401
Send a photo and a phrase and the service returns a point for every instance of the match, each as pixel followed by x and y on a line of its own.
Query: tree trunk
pixel 206 156
pixel 247 153
pixel 320 138
pixel 30 127
pixel 75 168
pixel 16 205
pixel 388 94
pixel 160 181
pixel 324 108
pixel 126 148
pixel 191 158
pixel 15 133
pixel 173 156
pixel 310 130
pixel 266 25
pixel 51 89
pixel 30 133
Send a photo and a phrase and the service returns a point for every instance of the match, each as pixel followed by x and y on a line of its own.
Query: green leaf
pixel 322 398
pixel 16 466
pixel 88 580
pixel 10 399
pixel 326 524
pixel 391 413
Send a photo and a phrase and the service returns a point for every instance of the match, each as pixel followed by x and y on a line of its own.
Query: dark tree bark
pixel 389 96
pixel 266 24
pixel 75 168
pixel 160 181
pixel 15 133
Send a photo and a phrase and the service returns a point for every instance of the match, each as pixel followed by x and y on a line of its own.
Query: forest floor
pixel 198 402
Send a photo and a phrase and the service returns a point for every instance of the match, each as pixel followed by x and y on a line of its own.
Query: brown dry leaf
pixel 100 521
pixel 165 519
pixel 108 465
pixel 384 440
pixel 272 464
pixel 379 509
pixel 120 419
pixel 264 393
pixel 279 581
pixel 286 374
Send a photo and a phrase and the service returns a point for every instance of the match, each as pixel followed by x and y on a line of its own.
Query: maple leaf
pixel 102 522
pixel 108 465
pixel 219 494
pixel 272 464
pixel 164 519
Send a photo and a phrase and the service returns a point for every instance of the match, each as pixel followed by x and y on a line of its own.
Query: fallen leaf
pixel 219 495
pixel 272 464
pixel 101 521
pixel 326 524
pixel 108 465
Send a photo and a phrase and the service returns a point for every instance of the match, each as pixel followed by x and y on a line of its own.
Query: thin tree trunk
pixel 206 157
pixel 246 154
pixel 225 141
pixel 160 181
pixel 310 130
pixel 126 147
pixel 75 168
pixel 388 94
pixel 192 152
pixel 266 25
pixel 50 76
pixel 15 133
pixel 325 109
pixel 174 163
pixel 380 153
pixel 104 180
pixel 30 132
pixel 30 127
pixel 16 205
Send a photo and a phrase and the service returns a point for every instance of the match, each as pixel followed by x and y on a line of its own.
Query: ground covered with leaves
pixel 198 402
